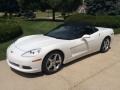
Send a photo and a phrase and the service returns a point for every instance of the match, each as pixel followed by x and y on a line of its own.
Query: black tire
pixel 104 48
pixel 47 63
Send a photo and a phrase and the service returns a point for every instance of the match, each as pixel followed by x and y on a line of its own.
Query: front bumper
pixel 20 67
pixel 22 64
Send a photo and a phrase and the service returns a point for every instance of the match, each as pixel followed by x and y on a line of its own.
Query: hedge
pixel 9 31
pixel 117 30
pixel 103 21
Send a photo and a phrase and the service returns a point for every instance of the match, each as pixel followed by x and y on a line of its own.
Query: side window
pixel 95 29
pixel 80 31
pixel 90 30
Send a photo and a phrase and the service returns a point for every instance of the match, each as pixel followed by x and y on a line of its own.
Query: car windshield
pixel 67 32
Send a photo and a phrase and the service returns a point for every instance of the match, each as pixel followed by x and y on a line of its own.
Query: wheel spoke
pixel 50 66
pixel 106 44
pixel 55 67
pixel 55 57
pixel 50 60
pixel 105 47
pixel 58 61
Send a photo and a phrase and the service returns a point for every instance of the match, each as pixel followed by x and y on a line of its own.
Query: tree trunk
pixel 5 14
pixel 10 15
pixel 64 15
pixel 53 15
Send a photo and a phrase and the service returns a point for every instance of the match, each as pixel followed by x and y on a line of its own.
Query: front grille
pixel 17 65
pixel 26 67
pixel 14 64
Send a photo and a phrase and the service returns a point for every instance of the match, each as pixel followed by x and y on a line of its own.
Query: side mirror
pixel 86 36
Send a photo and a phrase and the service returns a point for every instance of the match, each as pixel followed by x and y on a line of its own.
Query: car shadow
pixel 40 74
pixel 28 75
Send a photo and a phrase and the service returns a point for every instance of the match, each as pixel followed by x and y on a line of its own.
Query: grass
pixel 3 48
pixel 40 14
pixel 37 27
pixel 29 28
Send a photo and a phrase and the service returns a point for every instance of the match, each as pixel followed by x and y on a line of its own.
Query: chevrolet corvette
pixel 47 53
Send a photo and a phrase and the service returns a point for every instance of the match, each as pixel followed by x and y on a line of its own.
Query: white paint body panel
pixel 72 49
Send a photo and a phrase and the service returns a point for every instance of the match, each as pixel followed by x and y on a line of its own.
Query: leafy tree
pixel 53 5
pixel 69 6
pixel 29 4
pixel 9 6
pixel 118 7
pixel 62 5
pixel 106 7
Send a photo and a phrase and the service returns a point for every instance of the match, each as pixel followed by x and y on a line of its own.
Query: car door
pixel 78 46
pixel 92 41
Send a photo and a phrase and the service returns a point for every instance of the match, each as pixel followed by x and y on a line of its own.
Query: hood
pixel 34 42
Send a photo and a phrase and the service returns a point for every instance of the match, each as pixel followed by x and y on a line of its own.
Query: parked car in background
pixel 27 14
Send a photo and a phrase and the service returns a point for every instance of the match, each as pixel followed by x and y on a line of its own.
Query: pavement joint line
pixel 100 71
pixel 67 81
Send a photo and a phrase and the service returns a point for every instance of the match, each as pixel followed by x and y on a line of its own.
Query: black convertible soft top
pixel 81 24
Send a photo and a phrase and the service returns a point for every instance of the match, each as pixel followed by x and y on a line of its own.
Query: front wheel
pixel 52 62
pixel 105 45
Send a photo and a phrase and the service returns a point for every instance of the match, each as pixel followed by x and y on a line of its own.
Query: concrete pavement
pixel 94 72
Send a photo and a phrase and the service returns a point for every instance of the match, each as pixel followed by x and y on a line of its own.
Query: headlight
pixel 32 53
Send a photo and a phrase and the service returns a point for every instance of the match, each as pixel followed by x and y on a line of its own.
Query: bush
pixel 9 31
pixel 117 31
pixel 102 21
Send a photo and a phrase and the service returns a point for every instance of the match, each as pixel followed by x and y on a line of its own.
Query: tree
pixel 9 6
pixel 53 5
pixel 103 7
pixel 69 6
pixel 62 5
pixel 118 7
pixel 29 4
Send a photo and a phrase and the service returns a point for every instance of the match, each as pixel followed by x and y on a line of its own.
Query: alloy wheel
pixel 54 62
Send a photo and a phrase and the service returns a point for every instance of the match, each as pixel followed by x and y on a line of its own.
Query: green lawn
pixel 40 14
pixel 29 28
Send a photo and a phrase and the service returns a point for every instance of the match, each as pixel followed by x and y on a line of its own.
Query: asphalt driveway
pixel 94 72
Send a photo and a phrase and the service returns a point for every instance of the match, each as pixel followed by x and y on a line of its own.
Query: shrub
pixel 117 31
pixel 102 21
pixel 9 31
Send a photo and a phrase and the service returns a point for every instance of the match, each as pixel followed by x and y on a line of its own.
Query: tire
pixel 105 45
pixel 52 63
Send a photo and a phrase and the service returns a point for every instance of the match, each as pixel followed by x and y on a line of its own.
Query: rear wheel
pixel 52 62
pixel 105 45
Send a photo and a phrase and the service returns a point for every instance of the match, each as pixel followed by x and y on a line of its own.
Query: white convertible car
pixel 47 53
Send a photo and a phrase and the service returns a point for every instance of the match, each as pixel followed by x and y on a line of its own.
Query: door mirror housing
pixel 86 36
